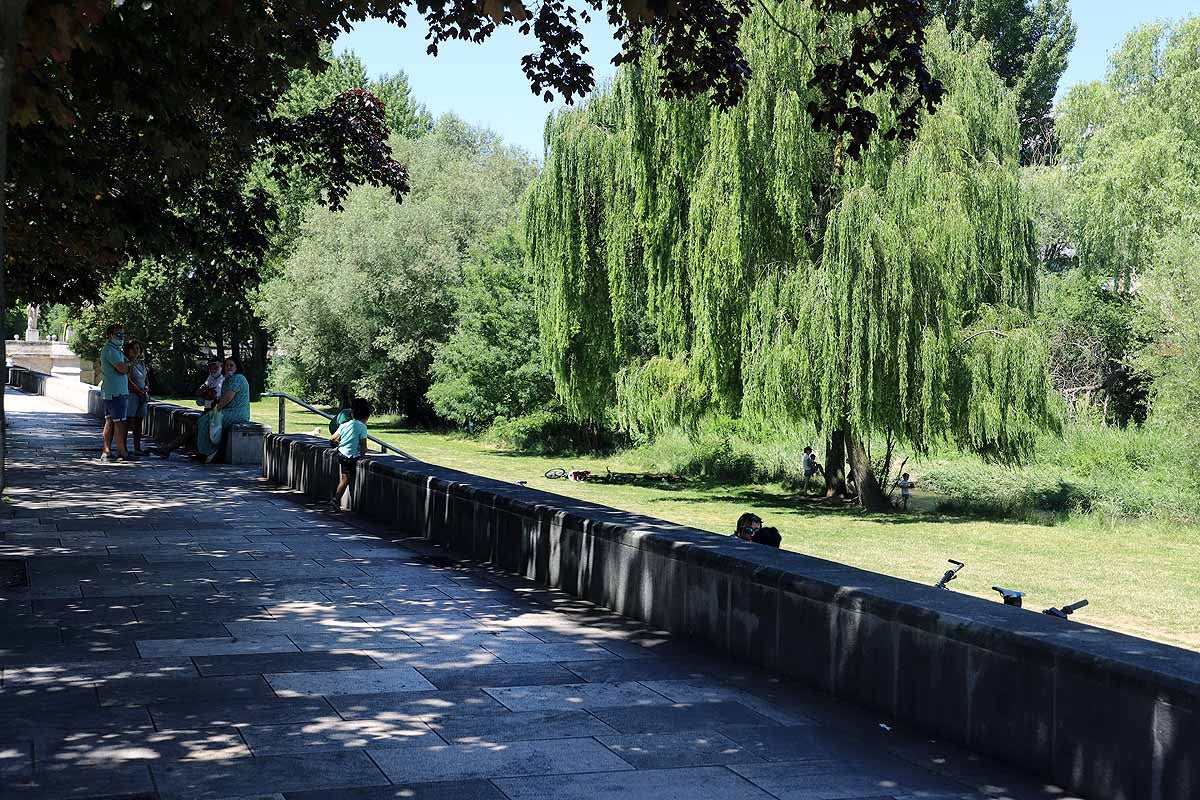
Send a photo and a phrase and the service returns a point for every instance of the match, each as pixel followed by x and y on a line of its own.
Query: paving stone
pixel 57 782
pixel 517 653
pixel 25 635
pixel 415 705
pixel 334 734
pixel 353 640
pixel 773 742
pixel 65 653
pixel 678 717
pixel 270 773
pixel 691 691
pixel 497 675
pixel 300 611
pixel 214 612
pixel 89 604
pixel 667 750
pixel 148 691
pixel 821 779
pixel 208 713
pixel 137 631
pixel 460 761
pixel 441 790
pixel 262 663
pixel 632 669
pixel 107 747
pixel 372 681
pixel 478 638
pixel 90 672
pixel 427 657
pixel 519 726
pixel 160 648
pixel 703 783
pixel 16 762
pixel 579 695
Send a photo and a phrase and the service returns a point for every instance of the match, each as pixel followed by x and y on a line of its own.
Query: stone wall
pixel 1106 715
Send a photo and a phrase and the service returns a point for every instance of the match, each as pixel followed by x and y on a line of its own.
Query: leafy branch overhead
pixel 134 124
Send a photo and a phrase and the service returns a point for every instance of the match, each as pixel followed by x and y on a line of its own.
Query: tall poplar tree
pixel 694 261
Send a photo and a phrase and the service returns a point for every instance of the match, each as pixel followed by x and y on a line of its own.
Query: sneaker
pixel 127 457
pixel 161 453
pixel 335 505
pixel 210 458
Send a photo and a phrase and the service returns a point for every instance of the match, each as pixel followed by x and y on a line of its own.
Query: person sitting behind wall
pixel 750 529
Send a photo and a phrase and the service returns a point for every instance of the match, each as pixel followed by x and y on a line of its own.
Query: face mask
pixel 117 338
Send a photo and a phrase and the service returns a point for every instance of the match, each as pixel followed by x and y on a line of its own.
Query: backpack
pixel 339 419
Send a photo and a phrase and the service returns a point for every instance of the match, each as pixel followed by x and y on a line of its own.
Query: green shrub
pixel 551 432
pixel 1092 469
pixel 726 450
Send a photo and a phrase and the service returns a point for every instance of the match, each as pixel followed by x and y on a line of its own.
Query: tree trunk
pixel 835 465
pixel 12 14
pixel 870 495
pixel 257 368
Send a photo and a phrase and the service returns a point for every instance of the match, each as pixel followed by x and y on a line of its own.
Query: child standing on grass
pixel 351 442
pixel 905 490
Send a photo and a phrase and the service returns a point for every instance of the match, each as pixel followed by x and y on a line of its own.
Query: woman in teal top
pixel 235 395
pixel 234 405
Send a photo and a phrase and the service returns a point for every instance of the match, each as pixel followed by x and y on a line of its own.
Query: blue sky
pixel 484 83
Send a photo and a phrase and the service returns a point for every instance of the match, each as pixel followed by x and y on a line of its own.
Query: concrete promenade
pixel 189 631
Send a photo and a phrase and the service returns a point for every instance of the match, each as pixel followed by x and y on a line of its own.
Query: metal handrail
pixel 284 396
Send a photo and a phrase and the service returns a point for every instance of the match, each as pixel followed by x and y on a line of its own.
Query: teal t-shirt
pixel 238 409
pixel 349 436
pixel 112 383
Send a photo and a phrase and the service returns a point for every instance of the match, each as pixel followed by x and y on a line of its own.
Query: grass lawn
pixel 1141 577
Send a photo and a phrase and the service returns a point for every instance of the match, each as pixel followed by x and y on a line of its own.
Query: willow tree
pixel 694 261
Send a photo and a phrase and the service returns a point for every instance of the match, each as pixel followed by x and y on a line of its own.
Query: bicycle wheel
pixel 556 473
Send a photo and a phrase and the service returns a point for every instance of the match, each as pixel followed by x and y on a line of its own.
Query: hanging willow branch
pixel 693 261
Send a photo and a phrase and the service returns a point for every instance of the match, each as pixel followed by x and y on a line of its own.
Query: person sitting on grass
pixel 351 442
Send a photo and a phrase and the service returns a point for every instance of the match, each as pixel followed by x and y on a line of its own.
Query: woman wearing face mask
pixel 233 404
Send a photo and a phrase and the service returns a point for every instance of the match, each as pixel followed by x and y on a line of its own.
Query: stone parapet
pixel 1104 714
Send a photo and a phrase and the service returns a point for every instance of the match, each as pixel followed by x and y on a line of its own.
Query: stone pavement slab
pixel 260 663
pixel 244 776
pixel 705 783
pixel 193 632
pixel 328 684
pixel 459 761
pixel 334 734
pixel 519 726
pixel 441 790
pixel 666 750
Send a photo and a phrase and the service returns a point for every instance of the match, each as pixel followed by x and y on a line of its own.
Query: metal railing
pixel 284 397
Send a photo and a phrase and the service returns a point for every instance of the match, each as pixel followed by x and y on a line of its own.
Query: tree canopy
pixel 363 300
pixel 693 261
pixel 1030 42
